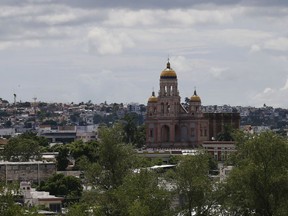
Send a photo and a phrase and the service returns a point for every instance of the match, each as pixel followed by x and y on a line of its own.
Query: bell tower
pixel 168 98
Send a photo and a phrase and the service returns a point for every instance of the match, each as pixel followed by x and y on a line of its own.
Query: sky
pixel 233 52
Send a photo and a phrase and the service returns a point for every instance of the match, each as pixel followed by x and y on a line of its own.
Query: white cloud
pixel 130 18
pixel 25 43
pixel 255 48
pixel 57 18
pixel 105 42
pixel 192 17
pixel 172 17
pixel 280 44
pixel 272 96
pixel 217 72
pixel 285 87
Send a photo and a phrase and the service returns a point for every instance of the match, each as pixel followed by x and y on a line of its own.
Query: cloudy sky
pixel 234 52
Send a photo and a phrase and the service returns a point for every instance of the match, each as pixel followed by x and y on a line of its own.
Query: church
pixel 170 124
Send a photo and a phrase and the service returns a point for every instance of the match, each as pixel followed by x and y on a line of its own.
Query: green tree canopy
pixel 193 183
pixel 60 185
pixel 258 185
pixel 21 149
pixel 62 157
pixel 115 157
pixel 141 194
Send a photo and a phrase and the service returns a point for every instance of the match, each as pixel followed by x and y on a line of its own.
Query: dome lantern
pixel 195 97
pixel 153 98
pixel 168 72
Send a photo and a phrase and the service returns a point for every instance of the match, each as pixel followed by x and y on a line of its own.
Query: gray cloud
pixel 115 50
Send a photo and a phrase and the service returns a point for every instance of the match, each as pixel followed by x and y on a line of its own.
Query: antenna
pixel 14 98
pixel 34 98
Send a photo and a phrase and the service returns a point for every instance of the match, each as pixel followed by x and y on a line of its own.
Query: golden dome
pixel 195 97
pixel 152 99
pixel 168 72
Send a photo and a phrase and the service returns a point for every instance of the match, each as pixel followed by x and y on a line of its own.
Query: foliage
pixel 140 136
pixel 107 119
pixel 8 206
pixel 8 124
pixel 140 194
pixel 89 149
pixel 193 183
pixel 42 141
pixel 62 158
pixel 60 185
pixel 78 210
pixel 115 157
pixel 21 149
pixel 258 185
pixel 226 135
pixel 134 130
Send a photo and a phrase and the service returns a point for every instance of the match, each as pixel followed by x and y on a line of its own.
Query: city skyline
pixel 234 52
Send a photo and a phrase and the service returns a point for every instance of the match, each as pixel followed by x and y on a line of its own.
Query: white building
pixel 40 198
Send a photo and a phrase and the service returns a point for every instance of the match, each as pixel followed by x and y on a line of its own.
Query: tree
pixel 140 136
pixel 134 132
pixel 258 184
pixel 193 184
pixel 21 149
pixel 141 194
pixel 130 127
pixel 226 134
pixel 8 124
pixel 62 158
pixel 115 157
pixel 89 149
pixel 60 185
pixel 42 141
pixel 116 161
pixel 7 202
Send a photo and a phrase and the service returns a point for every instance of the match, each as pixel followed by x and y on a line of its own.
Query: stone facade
pixel 35 171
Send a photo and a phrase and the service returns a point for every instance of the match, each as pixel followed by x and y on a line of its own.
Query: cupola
pixel 168 72
pixel 195 97
pixel 152 99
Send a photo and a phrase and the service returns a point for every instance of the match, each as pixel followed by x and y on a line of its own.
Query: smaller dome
pixel 153 99
pixel 168 72
pixel 195 97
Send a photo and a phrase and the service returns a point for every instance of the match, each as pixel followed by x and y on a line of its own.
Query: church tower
pixel 195 105
pixel 170 124
pixel 168 98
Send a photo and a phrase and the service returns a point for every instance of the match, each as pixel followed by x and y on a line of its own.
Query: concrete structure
pixel 170 124
pixel 165 154
pixel 224 171
pixel 40 198
pixel 7 132
pixel 219 150
pixel 69 134
pixel 34 171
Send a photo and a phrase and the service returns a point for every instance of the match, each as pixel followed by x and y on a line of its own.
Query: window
pixel 151 132
pixel 192 132
pixel 168 108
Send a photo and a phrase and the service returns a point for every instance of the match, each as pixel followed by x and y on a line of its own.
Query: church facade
pixel 170 124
